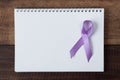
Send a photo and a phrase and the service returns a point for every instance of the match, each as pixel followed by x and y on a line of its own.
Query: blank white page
pixel 44 37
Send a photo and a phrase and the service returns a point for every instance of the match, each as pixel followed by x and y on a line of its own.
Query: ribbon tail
pixel 75 48
pixel 88 49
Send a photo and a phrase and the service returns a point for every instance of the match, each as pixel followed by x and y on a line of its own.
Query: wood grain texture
pixel 112 68
pixel 112 15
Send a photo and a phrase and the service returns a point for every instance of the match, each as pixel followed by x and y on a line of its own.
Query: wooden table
pixel 112 39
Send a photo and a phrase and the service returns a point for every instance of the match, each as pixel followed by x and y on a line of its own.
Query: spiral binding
pixel 59 10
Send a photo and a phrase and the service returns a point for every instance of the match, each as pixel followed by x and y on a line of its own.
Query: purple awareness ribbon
pixel 87 31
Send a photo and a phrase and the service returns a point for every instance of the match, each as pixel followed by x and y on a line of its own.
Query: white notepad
pixel 44 38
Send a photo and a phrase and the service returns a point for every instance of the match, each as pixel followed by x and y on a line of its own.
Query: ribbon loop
pixel 87 27
pixel 86 32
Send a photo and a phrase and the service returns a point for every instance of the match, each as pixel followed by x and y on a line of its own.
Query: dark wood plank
pixel 112 68
pixel 112 13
